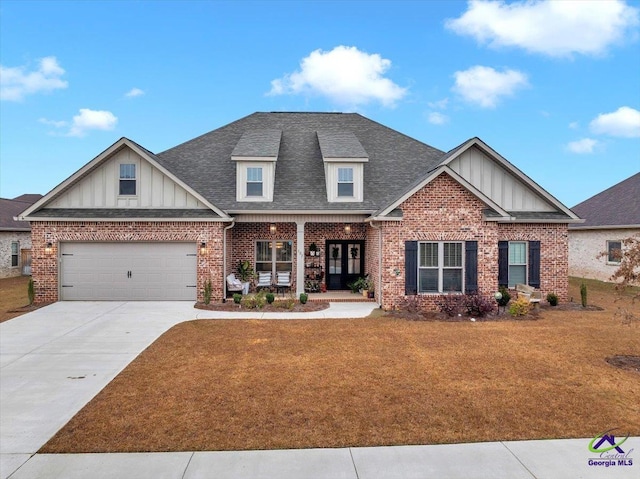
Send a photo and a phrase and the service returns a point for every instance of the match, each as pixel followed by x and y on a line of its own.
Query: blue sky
pixel 552 86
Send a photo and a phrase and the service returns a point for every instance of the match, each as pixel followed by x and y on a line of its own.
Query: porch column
pixel 300 257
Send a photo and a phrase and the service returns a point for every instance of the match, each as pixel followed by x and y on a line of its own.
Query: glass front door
pixel 345 263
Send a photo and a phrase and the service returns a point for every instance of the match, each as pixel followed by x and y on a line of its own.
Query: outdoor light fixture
pixel 203 247
pixel 347 229
pixel 48 248
pixel 272 228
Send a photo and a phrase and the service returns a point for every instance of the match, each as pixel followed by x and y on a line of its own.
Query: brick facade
pixel 445 211
pixel 441 211
pixel 45 264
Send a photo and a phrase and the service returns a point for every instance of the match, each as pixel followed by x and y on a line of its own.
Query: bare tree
pixel 627 276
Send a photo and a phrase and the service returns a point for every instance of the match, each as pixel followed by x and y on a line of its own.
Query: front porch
pixel 322 257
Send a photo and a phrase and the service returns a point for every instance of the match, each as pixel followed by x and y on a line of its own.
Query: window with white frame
pixel 254 181
pixel 517 263
pixel 15 254
pixel 127 179
pixel 274 256
pixel 345 182
pixel 440 267
pixel 614 252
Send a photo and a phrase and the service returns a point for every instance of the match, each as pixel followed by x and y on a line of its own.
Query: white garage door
pixel 128 271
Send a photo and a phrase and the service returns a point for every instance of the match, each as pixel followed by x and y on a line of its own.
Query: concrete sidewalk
pixel 56 359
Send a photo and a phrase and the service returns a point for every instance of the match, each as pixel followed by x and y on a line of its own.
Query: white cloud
pixel 54 123
pixel 624 122
pixel 437 118
pixel 585 145
pixel 574 125
pixel 485 86
pixel 439 105
pixel 345 75
pixel 92 120
pixel 553 28
pixel 16 82
pixel 134 92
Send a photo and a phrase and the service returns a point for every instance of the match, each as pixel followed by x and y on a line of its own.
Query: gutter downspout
pixel 379 228
pixel 224 259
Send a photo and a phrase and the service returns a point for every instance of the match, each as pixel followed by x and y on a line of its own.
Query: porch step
pixel 339 297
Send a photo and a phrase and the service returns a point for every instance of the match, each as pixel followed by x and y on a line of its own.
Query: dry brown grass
pixel 232 385
pixel 13 296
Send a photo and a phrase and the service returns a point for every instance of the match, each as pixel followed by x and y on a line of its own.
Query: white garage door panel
pixel 128 271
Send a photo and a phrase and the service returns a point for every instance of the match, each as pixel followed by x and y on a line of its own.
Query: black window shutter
pixel 503 263
pixel 534 264
pixel 410 267
pixel 471 267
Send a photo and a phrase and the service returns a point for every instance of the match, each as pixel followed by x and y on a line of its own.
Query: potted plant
pixel 245 271
pixel 313 249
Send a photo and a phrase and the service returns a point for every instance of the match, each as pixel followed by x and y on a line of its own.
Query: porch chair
pixel 264 281
pixel 234 285
pixel 283 281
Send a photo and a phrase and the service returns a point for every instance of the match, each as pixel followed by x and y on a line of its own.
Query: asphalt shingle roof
pixel 395 160
pixel 260 143
pixel 12 208
pixel 615 206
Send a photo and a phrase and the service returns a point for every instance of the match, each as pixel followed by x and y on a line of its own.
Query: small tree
pixel 31 293
pixel 627 275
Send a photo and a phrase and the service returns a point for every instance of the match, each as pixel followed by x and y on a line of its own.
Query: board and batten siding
pixel 497 183
pixel 100 188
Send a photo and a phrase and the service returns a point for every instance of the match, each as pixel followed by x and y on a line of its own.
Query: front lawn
pixel 259 384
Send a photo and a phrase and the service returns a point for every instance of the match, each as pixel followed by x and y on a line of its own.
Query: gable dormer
pixel 256 155
pixel 344 158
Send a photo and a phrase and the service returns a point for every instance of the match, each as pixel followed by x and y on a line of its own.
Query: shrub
pixel 583 294
pixel 478 305
pixel 31 291
pixel 451 304
pixel 260 298
pixel 303 298
pixel 249 302
pixel 552 299
pixel 270 297
pixel 506 297
pixel 206 292
pixel 409 304
pixel 237 298
pixel 519 307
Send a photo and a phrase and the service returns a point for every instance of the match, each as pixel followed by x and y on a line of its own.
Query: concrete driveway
pixel 56 359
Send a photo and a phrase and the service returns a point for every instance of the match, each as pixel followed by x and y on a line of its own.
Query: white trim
pixel 145 219
pixel 609 227
pixel 268 180
pixel 106 154
pixel 331 175
pixel 254 158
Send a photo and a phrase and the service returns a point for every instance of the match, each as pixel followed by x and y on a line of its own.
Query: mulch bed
pixel 629 363
pixel 276 307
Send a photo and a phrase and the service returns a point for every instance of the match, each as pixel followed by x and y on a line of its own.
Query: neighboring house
pixel 610 217
pixel 15 236
pixel 132 224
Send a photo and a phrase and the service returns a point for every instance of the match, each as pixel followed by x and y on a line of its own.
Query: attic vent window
pixel 127 179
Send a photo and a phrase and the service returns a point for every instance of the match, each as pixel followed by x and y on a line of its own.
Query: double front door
pixel 345 263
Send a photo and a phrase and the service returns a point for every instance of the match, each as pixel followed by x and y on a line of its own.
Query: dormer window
pixel 255 155
pixel 344 159
pixel 127 179
pixel 254 181
pixel 345 182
